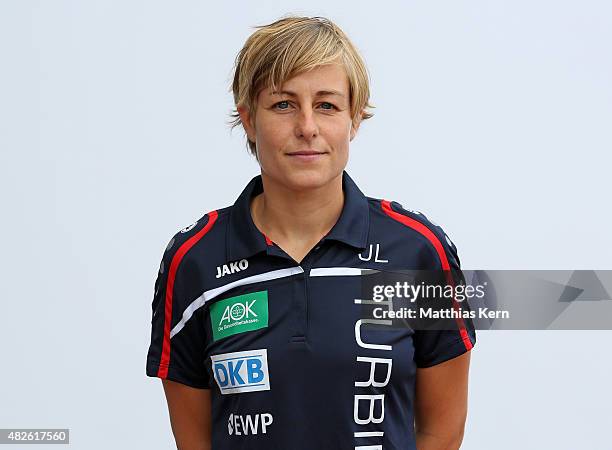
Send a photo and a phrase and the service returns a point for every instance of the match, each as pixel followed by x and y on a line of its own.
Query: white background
pixel 494 118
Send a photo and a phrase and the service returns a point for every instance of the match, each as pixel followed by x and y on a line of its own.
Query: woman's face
pixel 303 132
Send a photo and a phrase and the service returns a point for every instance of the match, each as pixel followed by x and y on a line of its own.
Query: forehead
pixel 329 79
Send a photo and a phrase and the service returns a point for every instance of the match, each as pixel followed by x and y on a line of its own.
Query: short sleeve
pixel 177 347
pixel 437 346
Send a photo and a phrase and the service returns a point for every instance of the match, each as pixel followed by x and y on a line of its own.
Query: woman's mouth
pixel 306 155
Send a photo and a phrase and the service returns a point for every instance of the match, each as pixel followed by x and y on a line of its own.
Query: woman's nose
pixel 306 125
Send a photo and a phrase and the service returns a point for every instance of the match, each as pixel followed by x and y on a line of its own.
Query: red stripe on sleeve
pixel 418 226
pixel 176 260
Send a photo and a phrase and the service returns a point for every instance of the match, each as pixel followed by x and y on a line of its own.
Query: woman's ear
pixel 355 127
pixel 247 123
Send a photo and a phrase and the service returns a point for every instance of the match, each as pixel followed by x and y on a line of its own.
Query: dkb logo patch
pixel 239 372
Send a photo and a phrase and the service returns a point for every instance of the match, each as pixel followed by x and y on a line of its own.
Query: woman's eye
pixel 327 103
pixel 280 103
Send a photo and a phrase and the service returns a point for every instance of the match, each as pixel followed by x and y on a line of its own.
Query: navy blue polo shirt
pixel 282 346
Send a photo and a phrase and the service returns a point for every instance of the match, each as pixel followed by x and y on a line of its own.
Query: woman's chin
pixel 308 178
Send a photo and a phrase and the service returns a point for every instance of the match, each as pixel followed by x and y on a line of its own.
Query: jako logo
pixel 233 267
pixel 239 425
pixel 189 227
pixel 240 372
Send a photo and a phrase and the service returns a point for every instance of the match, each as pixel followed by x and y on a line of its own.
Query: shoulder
pixel 208 225
pixel 414 227
pixel 200 243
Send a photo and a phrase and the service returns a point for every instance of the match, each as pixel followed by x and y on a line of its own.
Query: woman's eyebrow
pixel 318 94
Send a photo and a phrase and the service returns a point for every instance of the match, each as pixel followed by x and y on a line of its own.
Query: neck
pixel 305 216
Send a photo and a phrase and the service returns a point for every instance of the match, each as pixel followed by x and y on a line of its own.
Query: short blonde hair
pixel 278 51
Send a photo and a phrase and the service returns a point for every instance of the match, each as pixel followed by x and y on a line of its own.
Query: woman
pixel 256 330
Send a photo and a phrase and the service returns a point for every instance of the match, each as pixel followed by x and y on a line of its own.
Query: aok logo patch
pixel 235 315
